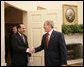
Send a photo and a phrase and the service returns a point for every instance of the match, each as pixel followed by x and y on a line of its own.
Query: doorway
pixel 13 17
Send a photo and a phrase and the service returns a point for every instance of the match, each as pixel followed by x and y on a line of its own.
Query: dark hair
pixel 14 26
pixel 18 26
pixel 11 31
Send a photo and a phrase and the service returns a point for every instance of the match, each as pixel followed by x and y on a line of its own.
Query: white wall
pixel 50 5
pixel 2 36
pixel 58 5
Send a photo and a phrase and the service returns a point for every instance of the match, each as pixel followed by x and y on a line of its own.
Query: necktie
pixel 47 39
pixel 23 38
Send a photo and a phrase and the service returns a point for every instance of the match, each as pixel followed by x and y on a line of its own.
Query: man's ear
pixel 19 29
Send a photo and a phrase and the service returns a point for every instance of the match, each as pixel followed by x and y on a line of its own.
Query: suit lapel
pixel 51 38
pixel 46 41
pixel 19 37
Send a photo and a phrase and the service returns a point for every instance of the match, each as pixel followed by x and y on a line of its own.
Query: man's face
pixel 14 29
pixel 46 27
pixel 22 29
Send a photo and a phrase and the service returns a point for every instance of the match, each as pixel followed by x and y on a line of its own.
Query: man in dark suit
pixel 20 49
pixel 8 49
pixel 54 46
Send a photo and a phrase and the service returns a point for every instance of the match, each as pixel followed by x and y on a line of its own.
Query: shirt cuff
pixel 27 50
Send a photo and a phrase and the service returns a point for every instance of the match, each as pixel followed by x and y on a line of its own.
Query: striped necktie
pixel 23 38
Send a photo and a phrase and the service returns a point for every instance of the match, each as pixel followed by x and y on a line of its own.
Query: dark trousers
pixel 19 65
pixel 13 64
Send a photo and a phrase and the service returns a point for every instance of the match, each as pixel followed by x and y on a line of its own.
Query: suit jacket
pixel 55 54
pixel 6 48
pixel 19 57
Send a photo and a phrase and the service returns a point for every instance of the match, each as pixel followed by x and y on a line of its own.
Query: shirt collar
pixel 19 33
pixel 50 32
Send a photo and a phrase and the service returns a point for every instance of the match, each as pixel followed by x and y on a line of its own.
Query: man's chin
pixel 45 31
pixel 23 33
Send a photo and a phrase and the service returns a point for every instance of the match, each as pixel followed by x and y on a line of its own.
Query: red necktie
pixel 47 39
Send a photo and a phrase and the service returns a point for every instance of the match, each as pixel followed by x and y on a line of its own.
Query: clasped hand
pixel 31 50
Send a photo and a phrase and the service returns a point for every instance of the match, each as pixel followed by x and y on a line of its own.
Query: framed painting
pixel 70 15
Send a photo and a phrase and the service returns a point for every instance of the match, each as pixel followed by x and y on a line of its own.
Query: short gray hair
pixel 50 22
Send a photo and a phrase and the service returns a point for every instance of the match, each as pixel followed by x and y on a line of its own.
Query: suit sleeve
pixel 41 47
pixel 63 49
pixel 16 47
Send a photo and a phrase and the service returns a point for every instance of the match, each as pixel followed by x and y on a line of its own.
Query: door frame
pixel 25 20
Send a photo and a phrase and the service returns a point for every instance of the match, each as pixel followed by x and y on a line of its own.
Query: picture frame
pixel 70 15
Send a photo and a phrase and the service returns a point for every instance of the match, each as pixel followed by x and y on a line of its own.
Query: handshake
pixel 31 50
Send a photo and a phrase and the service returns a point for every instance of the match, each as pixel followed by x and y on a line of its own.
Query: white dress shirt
pixel 27 48
pixel 19 33
pixel 50 34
